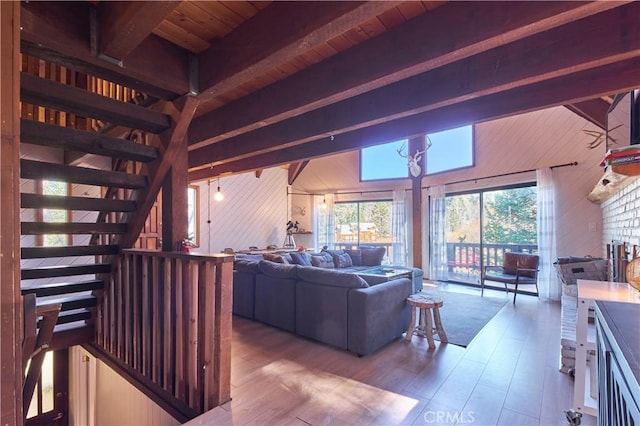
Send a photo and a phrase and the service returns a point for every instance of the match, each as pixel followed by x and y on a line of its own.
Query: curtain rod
pixel 345 193
pixel 575 163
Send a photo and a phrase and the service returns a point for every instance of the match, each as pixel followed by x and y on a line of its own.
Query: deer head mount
pixel 412 160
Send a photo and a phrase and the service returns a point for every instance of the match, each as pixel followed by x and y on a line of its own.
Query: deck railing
pixel 467 255
pixel 166 317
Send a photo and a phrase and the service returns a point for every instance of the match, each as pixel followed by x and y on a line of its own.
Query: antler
pixel 399 151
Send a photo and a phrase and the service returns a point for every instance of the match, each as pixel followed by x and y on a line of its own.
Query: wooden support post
pixel 417 144
pixel 174 200
pixel 10 300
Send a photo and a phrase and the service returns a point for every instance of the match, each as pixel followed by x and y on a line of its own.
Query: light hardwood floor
pixel 508 375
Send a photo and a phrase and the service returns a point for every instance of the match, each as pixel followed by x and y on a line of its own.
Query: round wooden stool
pixel 424 326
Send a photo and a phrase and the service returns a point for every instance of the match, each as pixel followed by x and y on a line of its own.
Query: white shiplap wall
pixel 254 211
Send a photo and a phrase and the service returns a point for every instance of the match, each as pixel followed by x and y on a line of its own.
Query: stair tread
pixel 38 201
pixel 64 270
pixel 52 289
pixel 65 251
pixel 40 228
pixel 70 302
pixel 34 132
pixel 31 169
pixel 51 94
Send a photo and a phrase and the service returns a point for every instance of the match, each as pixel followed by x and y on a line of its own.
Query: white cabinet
pixel 584 400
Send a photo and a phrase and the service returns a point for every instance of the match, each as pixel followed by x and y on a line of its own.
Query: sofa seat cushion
pixel 331 277
pixel 372 256
pixel 278 270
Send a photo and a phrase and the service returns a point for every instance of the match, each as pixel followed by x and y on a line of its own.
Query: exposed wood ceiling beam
pixel 124 25
pixel 399 53
pixel 280 32
pixel 295 169
pixel 593 110
pixel 524 62
pixel 597 82
pixel 60 34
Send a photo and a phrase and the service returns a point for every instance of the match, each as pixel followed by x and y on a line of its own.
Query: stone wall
pixel 621 215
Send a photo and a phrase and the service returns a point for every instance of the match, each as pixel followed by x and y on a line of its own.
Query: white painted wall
pixel 254 211
pixel 99 396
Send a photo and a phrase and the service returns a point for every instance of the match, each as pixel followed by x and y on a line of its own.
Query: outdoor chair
pixel 517 269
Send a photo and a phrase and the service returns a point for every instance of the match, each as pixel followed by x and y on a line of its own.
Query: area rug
pixel 464 315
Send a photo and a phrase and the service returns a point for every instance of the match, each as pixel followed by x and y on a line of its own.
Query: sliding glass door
pixel 483 225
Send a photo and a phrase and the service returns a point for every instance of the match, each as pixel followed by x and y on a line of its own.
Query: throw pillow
pixel 372 256
pixel 287 258
pixel 342 260
pixel 356 256
pixel 300 258
pixel 322 260
pixel 273 257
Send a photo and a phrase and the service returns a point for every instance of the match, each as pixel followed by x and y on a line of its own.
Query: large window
pixel 363 223
pixel 481 226
pixel 450 150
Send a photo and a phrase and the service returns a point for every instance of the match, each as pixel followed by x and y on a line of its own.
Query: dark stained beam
pixel 561 90
pixel 122 26
pixel 410 49
pixel 593 110
pixel 176 141
pixel 59 32
pixel 11 305
pixel 295 169
pixel 277 34
pixel 523 62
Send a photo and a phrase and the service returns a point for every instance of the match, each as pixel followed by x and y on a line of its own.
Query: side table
pixel 424 325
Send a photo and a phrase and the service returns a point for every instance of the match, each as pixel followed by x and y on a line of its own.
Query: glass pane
pixel 383 161
pixel 363 223
pixel 451 149
pixel 510 217
pixel 463 237
pixel 192 208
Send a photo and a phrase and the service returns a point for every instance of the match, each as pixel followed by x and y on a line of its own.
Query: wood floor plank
pixel 508 376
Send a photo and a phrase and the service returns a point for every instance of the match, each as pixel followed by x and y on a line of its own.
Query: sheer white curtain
pixel 548 284
pixel 324 224
pixel 399 228
pixel 437 234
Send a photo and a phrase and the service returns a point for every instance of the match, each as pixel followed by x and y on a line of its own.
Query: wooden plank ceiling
pixel 284 82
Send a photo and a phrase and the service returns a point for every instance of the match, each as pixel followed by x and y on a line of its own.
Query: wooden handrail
pixel 167 317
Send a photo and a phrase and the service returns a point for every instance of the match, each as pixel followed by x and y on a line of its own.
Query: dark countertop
pixel 621 324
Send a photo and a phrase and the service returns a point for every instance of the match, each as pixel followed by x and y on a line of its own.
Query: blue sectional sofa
pixel 359 313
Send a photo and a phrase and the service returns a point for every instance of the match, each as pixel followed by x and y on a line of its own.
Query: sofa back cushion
pixel 301 258
pixel 356 256
pixel 372 256
pixel 246 266
pixel 322 260
pixel 278 270
pixel 331 277
pixel 273 257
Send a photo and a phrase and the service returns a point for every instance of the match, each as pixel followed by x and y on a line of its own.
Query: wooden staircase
pixel 73 276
